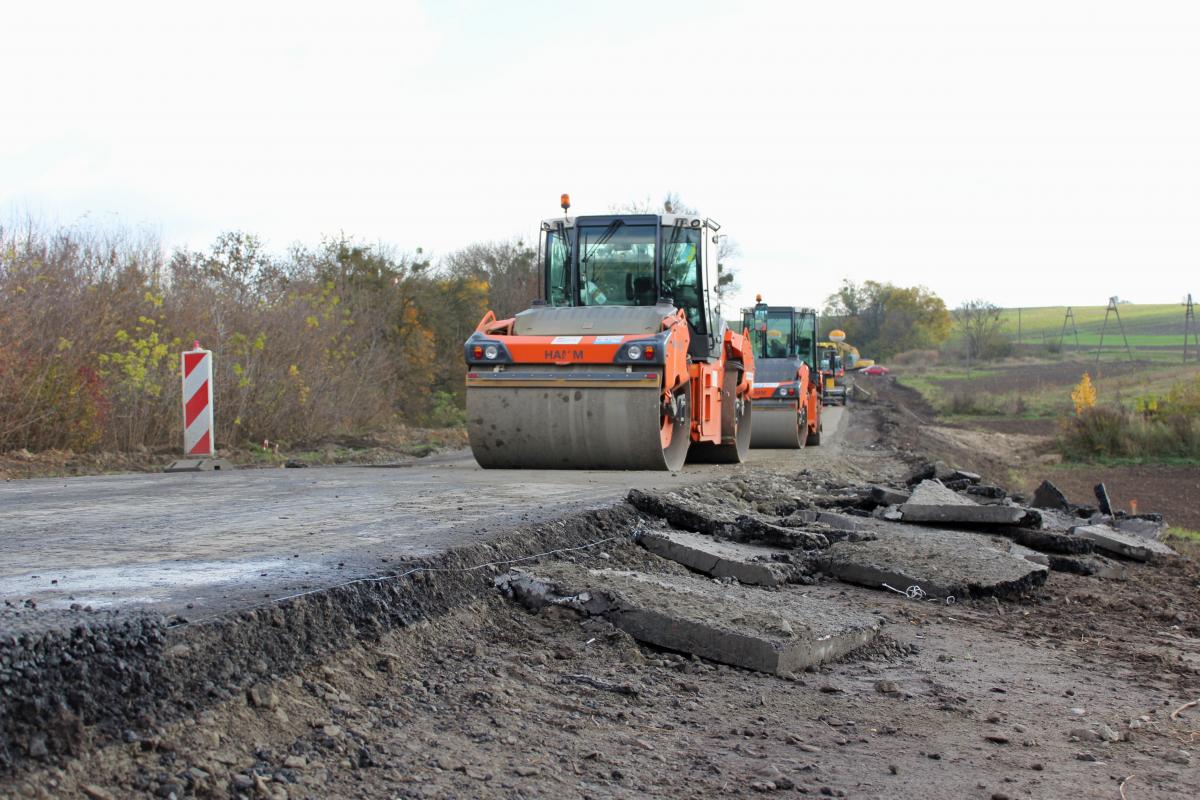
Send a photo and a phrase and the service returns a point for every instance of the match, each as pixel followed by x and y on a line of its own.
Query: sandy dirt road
pixel 205 543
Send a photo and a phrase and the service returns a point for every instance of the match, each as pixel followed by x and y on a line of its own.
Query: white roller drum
pixel 573 427
pixel 777 427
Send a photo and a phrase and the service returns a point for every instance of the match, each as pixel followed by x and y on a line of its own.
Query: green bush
pixel 971 403
pixel 1102 432
pixel 446 412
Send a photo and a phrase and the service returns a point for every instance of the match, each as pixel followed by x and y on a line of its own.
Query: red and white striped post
pixel 198 403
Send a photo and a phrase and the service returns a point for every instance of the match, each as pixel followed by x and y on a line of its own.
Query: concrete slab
pixel 1145 528
pixel 752 530
pixel 199 465
pixel 1060 542
pixel 833 526
pixel 1127 545
pixel 757 566
pixel 1088 565
pixel 933 502
pixel 682 513
pixel 886 496
pixel 773 632
pixel 689 515
pixel 986 492
pixel 942 563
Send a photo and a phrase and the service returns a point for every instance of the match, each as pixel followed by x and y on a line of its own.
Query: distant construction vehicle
pixel 833 370
pixel 625 362
pixel 787 386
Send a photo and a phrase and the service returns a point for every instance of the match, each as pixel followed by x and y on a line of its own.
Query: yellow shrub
pixel 1084 394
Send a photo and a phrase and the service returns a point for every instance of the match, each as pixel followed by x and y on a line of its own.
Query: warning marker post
pixel 199 446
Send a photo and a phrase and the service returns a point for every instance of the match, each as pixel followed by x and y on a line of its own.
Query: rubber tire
pixel 814 437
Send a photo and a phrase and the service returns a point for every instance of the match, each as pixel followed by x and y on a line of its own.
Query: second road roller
pixel 787 387
pixel 624 362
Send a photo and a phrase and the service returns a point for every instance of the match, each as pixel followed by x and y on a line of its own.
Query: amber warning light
pixel 565 201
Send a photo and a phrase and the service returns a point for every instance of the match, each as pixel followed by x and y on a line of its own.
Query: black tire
pixel 814 437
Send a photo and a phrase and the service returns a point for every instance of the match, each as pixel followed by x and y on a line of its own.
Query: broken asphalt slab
pixel 1049 496
pixel 691 516
pixel 942 563
pixel 931 502
pixel 1087 565
pixel 1127 545
pixel 749 564
pixel 1145 528
pixel 772 632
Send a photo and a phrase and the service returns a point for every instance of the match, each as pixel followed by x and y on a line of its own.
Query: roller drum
pixel 777 428
pixel 575 427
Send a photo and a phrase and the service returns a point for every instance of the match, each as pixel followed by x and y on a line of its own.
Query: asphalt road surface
pixel 203 543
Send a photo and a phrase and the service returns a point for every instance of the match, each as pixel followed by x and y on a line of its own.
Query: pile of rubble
pixel 944 534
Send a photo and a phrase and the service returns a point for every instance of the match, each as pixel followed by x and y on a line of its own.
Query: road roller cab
pixel 624 362
pixel 787 387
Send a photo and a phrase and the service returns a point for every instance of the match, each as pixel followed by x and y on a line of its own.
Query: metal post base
pixel 198 465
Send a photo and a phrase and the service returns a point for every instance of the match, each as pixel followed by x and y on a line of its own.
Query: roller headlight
pixel 634 351
pixel 490 352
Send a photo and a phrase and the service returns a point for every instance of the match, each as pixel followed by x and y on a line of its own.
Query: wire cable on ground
pixel 917 593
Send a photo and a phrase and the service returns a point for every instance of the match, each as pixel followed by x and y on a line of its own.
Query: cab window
pixel 558 277
pixel 616 265
pixel 681 272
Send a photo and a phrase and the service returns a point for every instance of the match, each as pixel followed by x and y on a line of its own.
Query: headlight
pixel 490 352
pixel 634 351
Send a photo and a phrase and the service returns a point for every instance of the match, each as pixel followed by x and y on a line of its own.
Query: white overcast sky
pixel 1029 153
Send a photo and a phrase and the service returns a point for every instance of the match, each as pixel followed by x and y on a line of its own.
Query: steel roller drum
pixel 777 427
pixel 571 418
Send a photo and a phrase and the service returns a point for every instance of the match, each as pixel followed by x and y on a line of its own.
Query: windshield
pixel 616 264
pixel 806 334
pixel 778 334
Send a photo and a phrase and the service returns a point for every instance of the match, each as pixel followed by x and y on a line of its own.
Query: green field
pixel 1153 331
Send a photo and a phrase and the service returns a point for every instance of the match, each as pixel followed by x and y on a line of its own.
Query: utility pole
pixel 1112 309
pixel 1069 317
pixel 1189 326
pixel 1018 326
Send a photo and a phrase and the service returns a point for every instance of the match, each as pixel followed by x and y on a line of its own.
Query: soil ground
pixel 1021 453
pixel 979 699
pixel 400 445
pixel 1173 491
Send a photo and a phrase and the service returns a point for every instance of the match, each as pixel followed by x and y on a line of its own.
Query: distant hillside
pixel 1154 331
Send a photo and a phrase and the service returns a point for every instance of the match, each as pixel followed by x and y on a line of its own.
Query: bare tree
pixel 981 326
pixel 508 267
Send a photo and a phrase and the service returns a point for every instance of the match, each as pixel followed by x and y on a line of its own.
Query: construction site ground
pixel 432 684
pixel 197 544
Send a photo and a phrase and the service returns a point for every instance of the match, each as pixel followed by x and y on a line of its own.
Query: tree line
pixel 884 320
pixel 343 337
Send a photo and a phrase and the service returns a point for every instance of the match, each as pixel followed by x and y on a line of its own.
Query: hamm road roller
pixel 787 386
pixel 625 362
